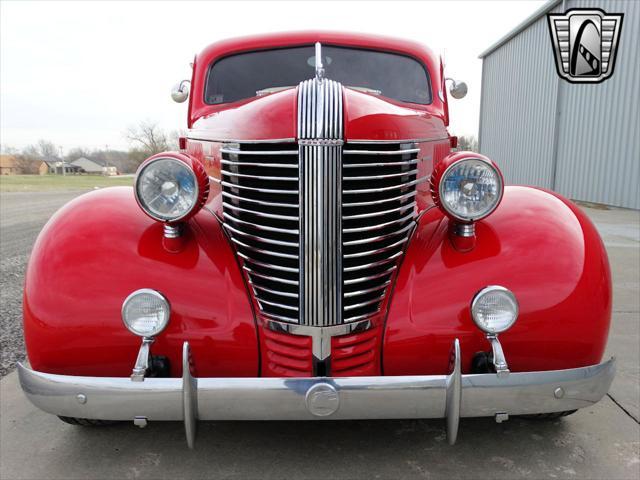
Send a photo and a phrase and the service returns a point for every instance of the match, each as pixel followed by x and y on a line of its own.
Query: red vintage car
pixel 316 249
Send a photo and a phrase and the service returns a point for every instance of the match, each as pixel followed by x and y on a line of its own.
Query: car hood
pixel 274 117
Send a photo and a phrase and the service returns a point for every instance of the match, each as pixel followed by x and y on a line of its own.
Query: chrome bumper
pixel 189 399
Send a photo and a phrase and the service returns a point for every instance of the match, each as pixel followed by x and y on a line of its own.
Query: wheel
pixel 86 422
pixel 548 416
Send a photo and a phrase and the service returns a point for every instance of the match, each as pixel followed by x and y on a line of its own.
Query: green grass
pixel 37 183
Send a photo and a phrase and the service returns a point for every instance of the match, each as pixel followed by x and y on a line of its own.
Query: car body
pixel 318 274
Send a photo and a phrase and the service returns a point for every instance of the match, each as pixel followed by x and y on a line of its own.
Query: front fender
pixel 99 248
pixel 537 244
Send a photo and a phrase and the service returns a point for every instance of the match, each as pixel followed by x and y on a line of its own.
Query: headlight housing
pixel 146 312
pixel 468 187
pixel 171 187
pixel 494 309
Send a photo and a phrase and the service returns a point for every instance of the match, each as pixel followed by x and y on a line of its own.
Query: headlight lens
pixel 494 309
pixel 146 312
pixel 167 189
pixel 470 189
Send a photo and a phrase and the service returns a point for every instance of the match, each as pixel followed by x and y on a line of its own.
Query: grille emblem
pixel 322 400
pixel 585 43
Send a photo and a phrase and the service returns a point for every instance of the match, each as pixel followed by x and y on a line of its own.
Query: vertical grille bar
pixel 320 153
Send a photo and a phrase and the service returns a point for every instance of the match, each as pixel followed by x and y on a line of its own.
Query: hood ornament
pixel 319 66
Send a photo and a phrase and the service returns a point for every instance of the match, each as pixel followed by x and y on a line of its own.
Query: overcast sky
pixel 79 73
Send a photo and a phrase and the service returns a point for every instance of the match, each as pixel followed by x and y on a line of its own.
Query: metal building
pixel 581 140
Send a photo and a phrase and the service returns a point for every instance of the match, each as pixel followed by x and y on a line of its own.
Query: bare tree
pixel 468 143
pixel 147 137
pixel 28 161
pixel 46 149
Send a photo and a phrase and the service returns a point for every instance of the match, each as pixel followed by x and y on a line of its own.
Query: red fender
pixel 98 249
pixel 540 246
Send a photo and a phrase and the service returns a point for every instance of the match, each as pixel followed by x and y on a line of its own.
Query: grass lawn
pixel 36 183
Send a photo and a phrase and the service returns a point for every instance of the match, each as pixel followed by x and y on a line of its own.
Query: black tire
pixel 548 416
pixel 86 422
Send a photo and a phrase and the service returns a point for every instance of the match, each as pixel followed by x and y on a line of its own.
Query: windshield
pixel 243 75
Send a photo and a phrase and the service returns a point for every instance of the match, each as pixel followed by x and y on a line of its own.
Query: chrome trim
pixel 382 164
pixel 321 142
pixel 205 135
pixel 377 250
pixel 374 264
pixel 320 337
pixel 267 265
pixel 258 164
pixel 260 239
pixel 375 202
pixel 142 360
pixel 269 316
pixel 453 394
pixel 258 225
pixel 260 214
pixel 466 230
pixel 319 67
pixel 379 212
pixel 172 230
pixel 412 140
pixel 261 190
pixel 258 177
pixel 381 152
pixel 368 290
pixel 189 399
pixel 356 318
pixel 262 250
pixel 320 128
pixel 380 237
pixel 276 304
pixel 268 277
pixel 378 226
pixel 387 175
pixel 353 281
pixel 364 304
pixel 261 202
pixel 499 360
pixel 233 151
pixel 274 292
pixel 392 187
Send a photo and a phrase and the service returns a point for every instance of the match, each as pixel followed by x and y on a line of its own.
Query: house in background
pixel 8 165
pixel 43 168
pixel 94 167
pixel 55 166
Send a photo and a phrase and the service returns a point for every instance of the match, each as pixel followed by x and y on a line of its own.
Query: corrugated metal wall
pixel 526 109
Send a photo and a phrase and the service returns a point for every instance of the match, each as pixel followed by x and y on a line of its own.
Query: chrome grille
pixel 260 210
pixel 378 210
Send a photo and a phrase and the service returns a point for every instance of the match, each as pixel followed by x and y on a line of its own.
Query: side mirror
pixel 457 90
pixel 180 91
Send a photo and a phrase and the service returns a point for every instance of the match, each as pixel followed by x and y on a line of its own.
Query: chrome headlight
pixel 146 312
pixel 494 309
pixel 470 188
pixel 167 189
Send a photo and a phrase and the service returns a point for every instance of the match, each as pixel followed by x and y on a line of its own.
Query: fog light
pixel 494 309
pixel 146 312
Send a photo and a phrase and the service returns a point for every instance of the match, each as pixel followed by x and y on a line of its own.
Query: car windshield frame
pixel 212 65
